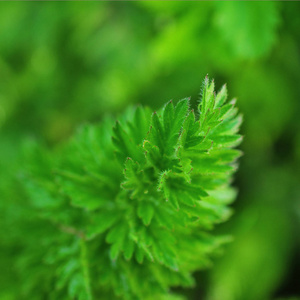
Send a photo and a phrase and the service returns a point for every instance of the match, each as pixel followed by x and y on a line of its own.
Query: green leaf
pixel 207 100
pixel 129 248
pixel 165 130
pixel 100 222
pixel 145 212
pixel 134 178
pixel 228 140
pixel 221 96
pixel 116 237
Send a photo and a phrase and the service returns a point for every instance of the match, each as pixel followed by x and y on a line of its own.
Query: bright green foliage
pixel 239 22
pixel 61 63
pixel 130 204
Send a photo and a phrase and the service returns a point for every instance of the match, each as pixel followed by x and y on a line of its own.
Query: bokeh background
pixel 67 63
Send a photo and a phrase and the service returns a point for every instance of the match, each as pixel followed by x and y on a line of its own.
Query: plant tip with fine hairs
pixel 152 187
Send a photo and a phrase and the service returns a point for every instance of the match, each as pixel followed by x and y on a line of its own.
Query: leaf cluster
pixel 136 200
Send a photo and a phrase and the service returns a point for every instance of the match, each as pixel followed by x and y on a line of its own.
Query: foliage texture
pixel 127 207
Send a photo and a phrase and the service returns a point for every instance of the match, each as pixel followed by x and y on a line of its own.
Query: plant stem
pixel 85 267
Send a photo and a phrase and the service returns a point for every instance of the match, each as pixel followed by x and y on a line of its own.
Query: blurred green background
pixel 63 64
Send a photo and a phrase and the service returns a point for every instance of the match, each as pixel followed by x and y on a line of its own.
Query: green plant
pixel 131 205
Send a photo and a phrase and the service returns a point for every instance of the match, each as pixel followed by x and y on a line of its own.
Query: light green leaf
pixel 145 212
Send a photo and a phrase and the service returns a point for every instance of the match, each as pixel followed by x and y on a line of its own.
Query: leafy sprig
pixel 139 197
